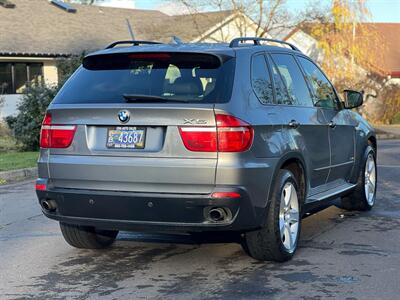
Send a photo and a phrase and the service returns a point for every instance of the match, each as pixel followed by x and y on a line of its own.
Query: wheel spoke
pixel 294 216
pixel 288 237
pixel 370 165
pixel 282 228
pixel 288 195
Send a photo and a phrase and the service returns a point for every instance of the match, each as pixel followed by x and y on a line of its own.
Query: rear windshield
pixel 161 76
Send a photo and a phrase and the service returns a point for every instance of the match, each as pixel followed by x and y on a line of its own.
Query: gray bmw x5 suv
pixel 240 138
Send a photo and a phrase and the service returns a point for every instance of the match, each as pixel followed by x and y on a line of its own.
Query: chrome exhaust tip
pixel 219 214
pixel 48 205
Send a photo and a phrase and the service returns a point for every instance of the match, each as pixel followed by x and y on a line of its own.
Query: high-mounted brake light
pixel 159 56
pixel 55 136
pixel 230 135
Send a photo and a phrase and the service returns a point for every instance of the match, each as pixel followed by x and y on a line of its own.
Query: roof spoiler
pixel 256 42
pixel 133 43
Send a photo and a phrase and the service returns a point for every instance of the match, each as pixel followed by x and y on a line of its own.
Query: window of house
pixel 5 78
pixel 15 76
pixel 323 90
pixel 294 79
pixel 261 80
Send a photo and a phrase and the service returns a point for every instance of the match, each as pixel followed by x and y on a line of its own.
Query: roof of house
pixel 36 27
pixel 389 34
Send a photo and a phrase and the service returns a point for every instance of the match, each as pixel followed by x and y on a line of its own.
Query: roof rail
pixel 134 43
pixel 256 41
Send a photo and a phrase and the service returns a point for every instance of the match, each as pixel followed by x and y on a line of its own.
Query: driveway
pixel 341 255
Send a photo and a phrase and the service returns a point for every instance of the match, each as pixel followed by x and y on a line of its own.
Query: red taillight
pixel 230 135
pixel 219 195
pixel 234 135
pixel 55 136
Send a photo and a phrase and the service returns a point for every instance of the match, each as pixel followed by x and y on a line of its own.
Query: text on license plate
pixel 126 137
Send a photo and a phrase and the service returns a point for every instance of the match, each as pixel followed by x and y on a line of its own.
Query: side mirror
pixel 352 99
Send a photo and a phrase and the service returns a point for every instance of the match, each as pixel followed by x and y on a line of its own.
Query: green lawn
pixel 17 160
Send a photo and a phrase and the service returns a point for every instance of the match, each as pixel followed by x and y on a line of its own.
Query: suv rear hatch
pixel 127 110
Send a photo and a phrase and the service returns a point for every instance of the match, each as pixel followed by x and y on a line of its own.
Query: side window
pixel 323 90
pixel 281 94
pixel 293 79
pixel 261 81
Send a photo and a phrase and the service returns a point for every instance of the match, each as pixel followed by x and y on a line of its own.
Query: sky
pixel 382 10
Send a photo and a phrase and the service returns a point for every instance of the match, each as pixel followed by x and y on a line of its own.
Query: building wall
pixel 8 105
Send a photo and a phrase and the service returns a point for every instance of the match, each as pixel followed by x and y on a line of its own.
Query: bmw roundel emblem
pixel 123 116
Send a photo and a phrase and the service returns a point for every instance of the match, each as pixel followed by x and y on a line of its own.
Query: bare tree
pixel 268 17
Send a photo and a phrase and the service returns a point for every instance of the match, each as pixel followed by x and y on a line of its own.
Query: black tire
pixel 266 244
pixel 87 237
pixel 357 199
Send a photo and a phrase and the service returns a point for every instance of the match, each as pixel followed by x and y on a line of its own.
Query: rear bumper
pixel 149 211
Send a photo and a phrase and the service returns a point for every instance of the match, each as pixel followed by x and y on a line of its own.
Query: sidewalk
pixel 386 132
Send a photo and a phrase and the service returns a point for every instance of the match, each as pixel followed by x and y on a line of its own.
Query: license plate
pixel 126 137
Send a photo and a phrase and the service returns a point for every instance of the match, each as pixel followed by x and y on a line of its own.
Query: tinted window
pixel 6 85
pixel 281 94
pixel 15 76
pixel 293 79
pixel 171 76
pixel 261 80
pixel 322 89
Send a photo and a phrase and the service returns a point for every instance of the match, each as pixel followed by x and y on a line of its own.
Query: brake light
pixel 159 56
pixel 234 135
pixel 55 136
pixel 230 135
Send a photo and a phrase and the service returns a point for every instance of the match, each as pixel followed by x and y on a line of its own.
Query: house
pixel 35 34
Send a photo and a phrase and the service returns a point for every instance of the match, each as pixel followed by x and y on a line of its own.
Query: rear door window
pixel 293 79
pixel 184 77
pixel 261 80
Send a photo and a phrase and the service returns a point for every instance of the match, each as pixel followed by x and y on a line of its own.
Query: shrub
pixel 396 118
pixel 25 125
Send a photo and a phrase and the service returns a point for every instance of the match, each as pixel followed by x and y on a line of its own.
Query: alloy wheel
pixel 289 217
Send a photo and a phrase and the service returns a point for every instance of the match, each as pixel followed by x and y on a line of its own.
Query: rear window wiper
pixel 149 98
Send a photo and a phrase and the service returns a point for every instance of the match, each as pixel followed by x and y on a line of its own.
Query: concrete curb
pixel 387 136
pixel 16 175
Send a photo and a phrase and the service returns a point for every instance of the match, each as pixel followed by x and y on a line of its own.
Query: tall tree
pixel 351 49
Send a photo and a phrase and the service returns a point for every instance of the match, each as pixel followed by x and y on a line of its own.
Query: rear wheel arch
pixel 295 163
pixel 372 142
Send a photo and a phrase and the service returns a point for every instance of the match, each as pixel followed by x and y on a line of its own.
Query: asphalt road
pixel 341 255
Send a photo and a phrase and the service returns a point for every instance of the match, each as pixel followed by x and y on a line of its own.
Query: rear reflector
pixel 55 136
pixel 40 187
pixel 219 195
pixel 230 135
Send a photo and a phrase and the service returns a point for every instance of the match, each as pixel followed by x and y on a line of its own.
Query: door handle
pixel 294 124
pixel 332 124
